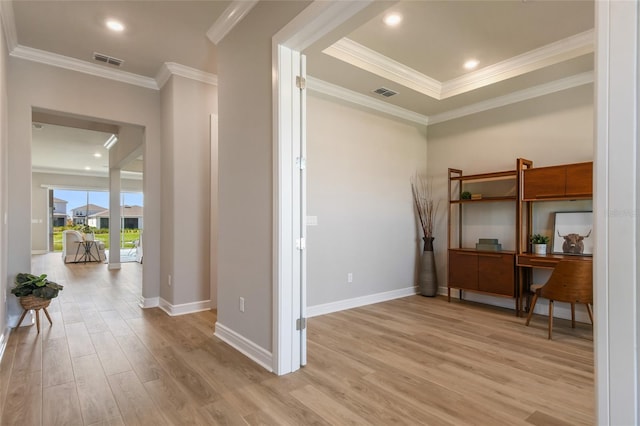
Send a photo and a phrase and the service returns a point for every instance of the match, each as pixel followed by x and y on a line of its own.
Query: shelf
pixel 509 174
pixel 486 199
pixel 473 250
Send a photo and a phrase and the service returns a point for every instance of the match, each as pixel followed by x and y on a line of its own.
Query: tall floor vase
pixel 427 279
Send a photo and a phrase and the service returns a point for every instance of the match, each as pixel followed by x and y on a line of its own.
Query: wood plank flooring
pixel 411 361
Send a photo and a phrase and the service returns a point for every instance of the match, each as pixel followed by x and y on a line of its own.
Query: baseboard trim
pixel 184 308
pixel 245 346
pixel 39 251
pixel 356 302
pixel 4 339
pixel 149 302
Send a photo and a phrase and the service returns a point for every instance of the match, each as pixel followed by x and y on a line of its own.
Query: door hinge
pixel 301 244
pixel 301 323
pixel 301 163
pixel 301 82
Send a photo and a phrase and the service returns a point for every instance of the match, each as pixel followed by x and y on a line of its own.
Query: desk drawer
pixel 537 262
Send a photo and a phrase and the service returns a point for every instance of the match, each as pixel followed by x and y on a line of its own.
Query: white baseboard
pixel 4 338
pixel 341 305
pixel 149 302
pixel 245 346
pixel 184 308
pixel 39 251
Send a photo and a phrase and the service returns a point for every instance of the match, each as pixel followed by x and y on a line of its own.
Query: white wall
pixel 246 172
pixel 4 193
pixel 359 166
pixel 33 85
pixel 549 130
pixel 187 105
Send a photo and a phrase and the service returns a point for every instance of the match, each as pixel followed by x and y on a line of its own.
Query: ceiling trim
pixel 85 67
pixel 9 24
pixel 360 56
pixel 339 92
pixel 171 68
pixel 519 96
pixel 553 53
pixel 232 15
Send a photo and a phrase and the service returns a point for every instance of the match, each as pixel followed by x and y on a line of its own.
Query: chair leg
pixel 573 315
pixel 550 318
pixel 589 311
pixel 533 305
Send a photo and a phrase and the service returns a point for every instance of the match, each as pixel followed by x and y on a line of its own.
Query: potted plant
pixel 539 243
pixel 35 292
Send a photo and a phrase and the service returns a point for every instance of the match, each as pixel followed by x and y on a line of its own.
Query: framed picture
pixel 573 233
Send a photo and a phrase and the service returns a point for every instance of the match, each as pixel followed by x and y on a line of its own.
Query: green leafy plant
pixel 466 195
pixel 38 285
pixel 539 239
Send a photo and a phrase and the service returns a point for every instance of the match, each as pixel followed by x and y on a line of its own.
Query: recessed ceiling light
pixel 471 64
pixel 114 25
pixel 87 168
pixel 392 19
pixel 97 155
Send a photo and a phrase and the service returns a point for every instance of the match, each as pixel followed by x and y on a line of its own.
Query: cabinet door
pixel 579 179
pixel 496 273
pixel 544 182
pixel 463 270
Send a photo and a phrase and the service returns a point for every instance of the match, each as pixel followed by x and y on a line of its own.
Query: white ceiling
pixel 520 45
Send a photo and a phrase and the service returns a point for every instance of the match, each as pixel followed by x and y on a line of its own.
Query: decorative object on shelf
pixel 35 292
pixel 466 195
pixel 571 233
pixel 426 208
pixel 488 244
pixel 539 243
pixel 476 196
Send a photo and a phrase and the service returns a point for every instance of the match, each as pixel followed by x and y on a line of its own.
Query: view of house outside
pixel 75 209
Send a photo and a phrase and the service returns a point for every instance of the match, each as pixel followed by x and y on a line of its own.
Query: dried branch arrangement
pixel 422 189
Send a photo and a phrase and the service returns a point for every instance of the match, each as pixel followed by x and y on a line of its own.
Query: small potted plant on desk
pixel 35 292
pixel 539 243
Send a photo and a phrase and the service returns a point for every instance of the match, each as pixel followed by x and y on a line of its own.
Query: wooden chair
pixel 571 281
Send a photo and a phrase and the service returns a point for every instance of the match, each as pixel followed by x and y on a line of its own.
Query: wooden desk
pixel 526 262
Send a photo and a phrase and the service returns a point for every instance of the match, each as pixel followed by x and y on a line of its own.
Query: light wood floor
pixel 410 361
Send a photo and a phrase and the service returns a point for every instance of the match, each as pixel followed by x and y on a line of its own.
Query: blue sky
pixel 79 198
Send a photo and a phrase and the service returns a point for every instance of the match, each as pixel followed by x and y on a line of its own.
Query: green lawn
pixel 128 236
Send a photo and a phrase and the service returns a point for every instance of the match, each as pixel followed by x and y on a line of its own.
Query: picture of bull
pixel 573 243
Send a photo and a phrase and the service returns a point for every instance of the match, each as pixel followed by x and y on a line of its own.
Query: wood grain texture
pixel 409 361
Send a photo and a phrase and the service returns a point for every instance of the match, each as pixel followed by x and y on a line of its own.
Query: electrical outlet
pixel 350 277
pixel 169 280
pixel 241 304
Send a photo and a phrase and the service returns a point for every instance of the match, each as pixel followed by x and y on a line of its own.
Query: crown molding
pixel 232 15
pixel 553 53
pixel 171 68
pixel 339 92
pixel 317 20
pixel 519 96
pixel 9 24
pixel 360 56
pixel 73 64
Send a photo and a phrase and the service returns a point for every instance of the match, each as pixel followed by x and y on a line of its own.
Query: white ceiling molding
pixel 9 24
pixel 519 96
pixel 232 15
pixel 73 64
pixel 171 68
pixel 362 57
pixel 317 20
pixel 553 53
pixel 339 92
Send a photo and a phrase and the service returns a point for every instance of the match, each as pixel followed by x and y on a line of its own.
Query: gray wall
pixel 549 130
pixel 4 192
pixel 246 171
pixel 359 167
pixel 186 107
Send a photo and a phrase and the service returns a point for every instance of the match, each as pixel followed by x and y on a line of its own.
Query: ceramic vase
pixel 427 279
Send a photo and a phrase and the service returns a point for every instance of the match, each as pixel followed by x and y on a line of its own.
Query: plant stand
pixel 36 303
